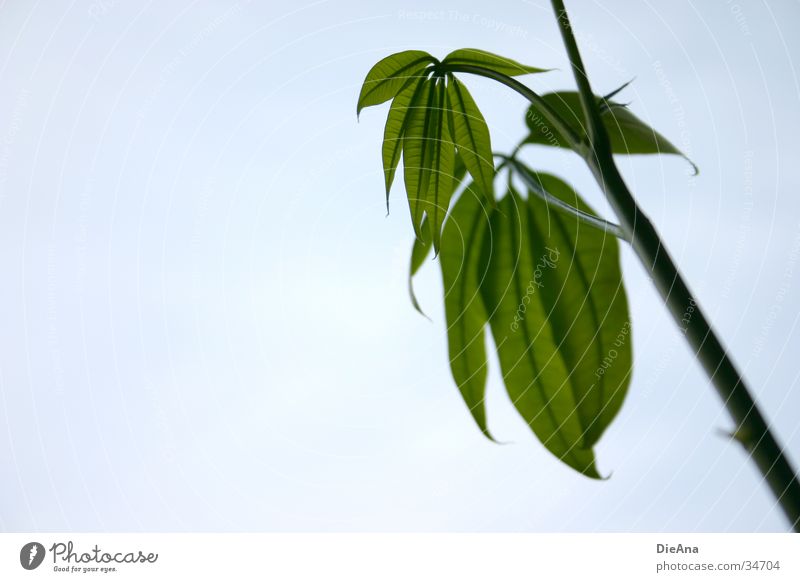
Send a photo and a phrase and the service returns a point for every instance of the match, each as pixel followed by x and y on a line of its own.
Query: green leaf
pixel 471 136
pixel 419 252
pixel 587 309
pixel 396 124
pixel 418 152
pixel 469 56
pixel 389 75
pixel 462 274
pixel 442 167
pixel 422 247
pixel 544 293
pixel 429 159
pixel 533 371
pixel 628 133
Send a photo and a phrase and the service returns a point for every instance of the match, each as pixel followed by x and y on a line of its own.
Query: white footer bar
pixel 399 557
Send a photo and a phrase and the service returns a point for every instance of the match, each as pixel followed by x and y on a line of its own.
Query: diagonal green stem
pixel 752 429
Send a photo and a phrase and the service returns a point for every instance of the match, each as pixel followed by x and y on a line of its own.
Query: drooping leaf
pixel 419 251
pixel 585 304
pixel 471 136
pixel 628 134
pixel 396 123
pixel 389 75
pixel 418 151
pixel 462 273
pixel 470 56
pixel 535 373
pixel 422 247
pixel 442 167
pixel 429 159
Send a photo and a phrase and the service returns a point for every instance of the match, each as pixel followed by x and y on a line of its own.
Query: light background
pixel 204 322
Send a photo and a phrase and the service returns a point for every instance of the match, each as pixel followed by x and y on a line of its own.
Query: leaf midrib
pixel 466 118
pixel 589 300
pixel 528 354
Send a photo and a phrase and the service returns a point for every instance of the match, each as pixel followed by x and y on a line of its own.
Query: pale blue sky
pixel 205 323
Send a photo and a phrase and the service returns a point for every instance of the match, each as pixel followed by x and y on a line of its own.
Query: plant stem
pixel 537 190
pixel 752 429
pixel 558 122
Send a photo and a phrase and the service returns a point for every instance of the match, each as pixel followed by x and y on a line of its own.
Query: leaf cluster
pixel 537 270
pixel 433 118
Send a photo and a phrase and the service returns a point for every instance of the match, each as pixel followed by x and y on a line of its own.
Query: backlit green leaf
pixel 462 274
pixel 418 151
pixel 429 159
pixel 469 56
pixel 396 123
pixel 422 247
pixel 419 252
pixel 585 304
pixel 628 134
pixel 535 372
pixel 471 136
pixel 442 166
pixel 389 75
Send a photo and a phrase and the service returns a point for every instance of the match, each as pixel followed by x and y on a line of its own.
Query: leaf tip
pixel 489 436
pixel 414 301
pixel 592 473
pixel 418 309
pixel 606 478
